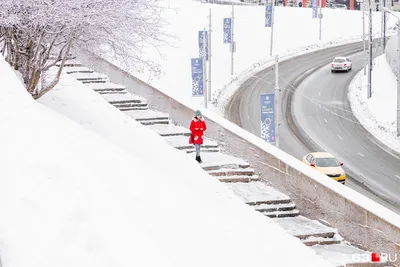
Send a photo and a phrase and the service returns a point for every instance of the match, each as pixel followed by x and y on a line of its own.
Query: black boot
pixel 198 159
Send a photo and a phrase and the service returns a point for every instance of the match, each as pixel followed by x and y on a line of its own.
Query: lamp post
pixel 385 9
pixel 362 7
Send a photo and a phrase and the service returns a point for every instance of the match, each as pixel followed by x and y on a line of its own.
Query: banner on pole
pixel 314 9
pixel 267 117
pixel 227 30
pixel 197 77
pixel 203 43
pixel 268 14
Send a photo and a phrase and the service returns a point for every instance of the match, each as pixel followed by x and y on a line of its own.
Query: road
pixel 317 117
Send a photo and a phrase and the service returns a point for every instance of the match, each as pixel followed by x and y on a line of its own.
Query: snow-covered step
pixel 232 172
pixel 149 117
pixel 124 99
pixel 126 102
pixel 203 150
pixel 312 241
pixel 107 87
pixel 338 254
pixel 93 77
pixel 182 142
pixel 70 63
pixel 216 161
pixel 304 228
pixel 170 130
pixel 275 207
pixel 70 70
pixel 282 213
pixel 109 91
pixel 239 178
pixel 255 193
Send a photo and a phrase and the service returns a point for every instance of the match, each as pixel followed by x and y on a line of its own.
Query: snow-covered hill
pixel 86 186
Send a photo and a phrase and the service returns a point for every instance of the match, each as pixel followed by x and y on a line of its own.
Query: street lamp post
pixel 362 7
pixel 398 66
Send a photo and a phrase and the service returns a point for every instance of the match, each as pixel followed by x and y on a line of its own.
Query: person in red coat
pixel 197 127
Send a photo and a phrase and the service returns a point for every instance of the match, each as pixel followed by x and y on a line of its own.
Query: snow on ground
pixel 377 114
pixel 295 32
pixel 85 186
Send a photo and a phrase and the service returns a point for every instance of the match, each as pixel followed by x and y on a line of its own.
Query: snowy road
pixel 322 121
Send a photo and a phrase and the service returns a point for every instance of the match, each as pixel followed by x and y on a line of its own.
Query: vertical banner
pixel 314 9
pixel 268 117
pixel 197 77
pixel 268 14
pixel 227 30
pixel 203 43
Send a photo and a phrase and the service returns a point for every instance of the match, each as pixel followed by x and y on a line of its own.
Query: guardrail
pixel 359 219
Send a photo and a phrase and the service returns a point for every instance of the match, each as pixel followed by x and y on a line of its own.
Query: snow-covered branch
pixel 36 34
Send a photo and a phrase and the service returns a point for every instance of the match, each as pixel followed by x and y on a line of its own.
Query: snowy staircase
pixel 234 172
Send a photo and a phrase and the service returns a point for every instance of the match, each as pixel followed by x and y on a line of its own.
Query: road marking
pixel 360 154
pixel 339 137
pixel 325 121
pixel 397 176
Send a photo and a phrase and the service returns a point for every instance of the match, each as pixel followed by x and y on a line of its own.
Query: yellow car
pixel 327 164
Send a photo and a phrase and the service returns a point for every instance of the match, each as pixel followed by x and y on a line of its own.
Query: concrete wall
pixel 359 220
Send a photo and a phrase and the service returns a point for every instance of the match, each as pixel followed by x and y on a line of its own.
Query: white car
pixel 339 6
pixel 341 64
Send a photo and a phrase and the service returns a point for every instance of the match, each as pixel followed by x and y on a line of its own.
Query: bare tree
pixel 36 34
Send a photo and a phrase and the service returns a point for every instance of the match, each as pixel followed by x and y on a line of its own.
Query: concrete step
pixel 216 161
pixel 70 70
pixel 275 207
pixel 239 178
pixel 182 142
pixel 232 172
pixel 107 86
pixel 341 254
pixel 124 99
pixel 154 122
pixel 256 193
pixel 148 115
pixel 88 81
pixel 70 63
pixel 131 105
pixel 312 241
pixel 134 108
pixel 107 91
pixel 281 214
pixel 90 77
pixel 204 150
pixel 170 130
pixel 304 228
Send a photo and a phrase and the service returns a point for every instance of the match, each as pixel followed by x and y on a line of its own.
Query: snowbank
pixel 377 114
pixel 75 195
pixel 295 31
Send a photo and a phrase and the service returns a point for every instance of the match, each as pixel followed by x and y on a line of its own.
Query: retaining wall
pixel 360 220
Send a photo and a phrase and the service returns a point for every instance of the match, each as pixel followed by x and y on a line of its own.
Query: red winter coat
pixel 197 135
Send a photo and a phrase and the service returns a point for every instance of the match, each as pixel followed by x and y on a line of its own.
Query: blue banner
pixel 227 30
pixel 197 77
pixel 268 117
pixel 314 5
pixel 268 15
pixel 202 43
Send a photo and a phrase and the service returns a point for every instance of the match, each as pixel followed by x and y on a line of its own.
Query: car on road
pixel 341 64
pixel 339 6
pixel 327 164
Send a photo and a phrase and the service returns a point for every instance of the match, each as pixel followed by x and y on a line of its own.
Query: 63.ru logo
pixel 375 257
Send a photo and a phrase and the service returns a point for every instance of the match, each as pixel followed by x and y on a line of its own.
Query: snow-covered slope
pixel 89 195
pixel 295 31
pixel 378 113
